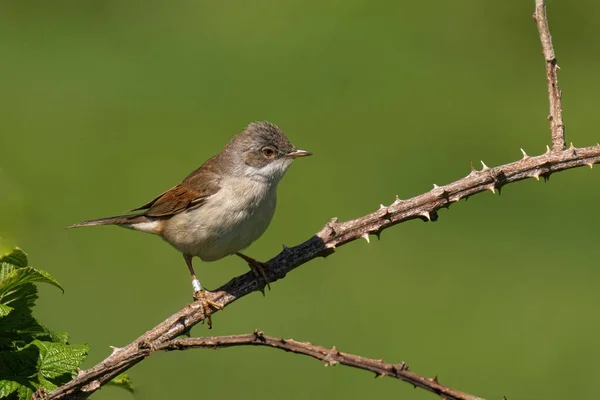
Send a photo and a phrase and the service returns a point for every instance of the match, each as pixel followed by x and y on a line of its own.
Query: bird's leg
pixel 257 267
pixel 199 294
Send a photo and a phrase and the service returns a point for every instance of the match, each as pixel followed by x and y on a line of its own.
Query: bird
pixel 223 206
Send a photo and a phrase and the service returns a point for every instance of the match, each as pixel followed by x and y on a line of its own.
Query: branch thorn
pixel 328 359
pixel 378 234
pixel 572 149
pixel 259 336
pixel 331 224
pixel 399 367
pixel 366 237
pixel 524 154
pixel 115 350
pixel 485 167
pixel 546 177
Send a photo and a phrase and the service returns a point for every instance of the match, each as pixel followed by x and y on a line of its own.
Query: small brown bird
pixel 223 206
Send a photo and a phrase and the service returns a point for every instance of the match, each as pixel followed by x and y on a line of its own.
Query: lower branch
pixel 329 356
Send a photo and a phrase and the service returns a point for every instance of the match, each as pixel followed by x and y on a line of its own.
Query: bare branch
pixel 329 356
pixel 324 243
pixel 557 127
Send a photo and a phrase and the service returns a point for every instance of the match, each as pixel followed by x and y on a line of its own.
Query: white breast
pixel 228 222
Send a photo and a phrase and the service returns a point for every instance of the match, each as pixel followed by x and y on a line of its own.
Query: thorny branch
pixel 335 234
pixel 557 127
pixel 330 357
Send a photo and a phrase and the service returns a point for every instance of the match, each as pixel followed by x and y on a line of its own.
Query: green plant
pixel 31 355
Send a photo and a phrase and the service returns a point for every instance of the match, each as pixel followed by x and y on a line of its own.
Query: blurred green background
pixel 105 104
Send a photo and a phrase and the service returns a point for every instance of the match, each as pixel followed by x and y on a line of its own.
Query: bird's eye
pixel 268 152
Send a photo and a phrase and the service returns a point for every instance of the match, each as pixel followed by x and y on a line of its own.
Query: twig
pixel 324 243
pixel 329 356
pixel 557 127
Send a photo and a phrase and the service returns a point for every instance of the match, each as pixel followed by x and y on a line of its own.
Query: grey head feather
pixel 249 153
pixel 258 135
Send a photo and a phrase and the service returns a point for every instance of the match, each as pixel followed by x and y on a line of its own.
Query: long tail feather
pixel 123 220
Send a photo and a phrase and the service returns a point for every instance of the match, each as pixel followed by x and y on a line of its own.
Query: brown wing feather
pixel 173 201
pixel 149 204
pixel 192 192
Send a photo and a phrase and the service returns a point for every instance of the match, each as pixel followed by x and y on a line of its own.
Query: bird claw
pixel 207 306
pixel 258 268
pixel 259 271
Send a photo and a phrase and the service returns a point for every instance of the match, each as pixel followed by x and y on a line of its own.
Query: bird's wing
pixel 190 193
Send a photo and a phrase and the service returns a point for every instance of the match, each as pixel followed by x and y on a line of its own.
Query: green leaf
pixel 122 380
pixel 22 296
pixel 5 310
pixel 50 386
pixel 31 355
pixel 57 359
pixel 19 364
pixel 19 327
pixel 16 257
pixel 57 337
pixel 21 276
pixel 18 370
pixel 25 392
pixel 5 269
pixel 7 387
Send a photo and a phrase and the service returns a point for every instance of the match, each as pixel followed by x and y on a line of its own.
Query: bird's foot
pixel 258 268
pixel 207 306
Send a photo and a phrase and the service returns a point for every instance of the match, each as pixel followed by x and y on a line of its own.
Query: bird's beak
pixel 299 153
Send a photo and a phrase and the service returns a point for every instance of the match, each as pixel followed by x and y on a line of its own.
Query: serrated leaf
pixel 25 392
pixel 50 386
pixel 16 257
pixel 22 276
pixel 5 310
pixel 57 359
pixel 31 356
pixel 57 337
pixel 7 387
pixel 122 380
pixel 5 269
pixel 38 331
pixel 19 367
pixel 19 327
pixel 23 296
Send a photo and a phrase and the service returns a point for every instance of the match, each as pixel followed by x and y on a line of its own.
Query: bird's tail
pixel 138 222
